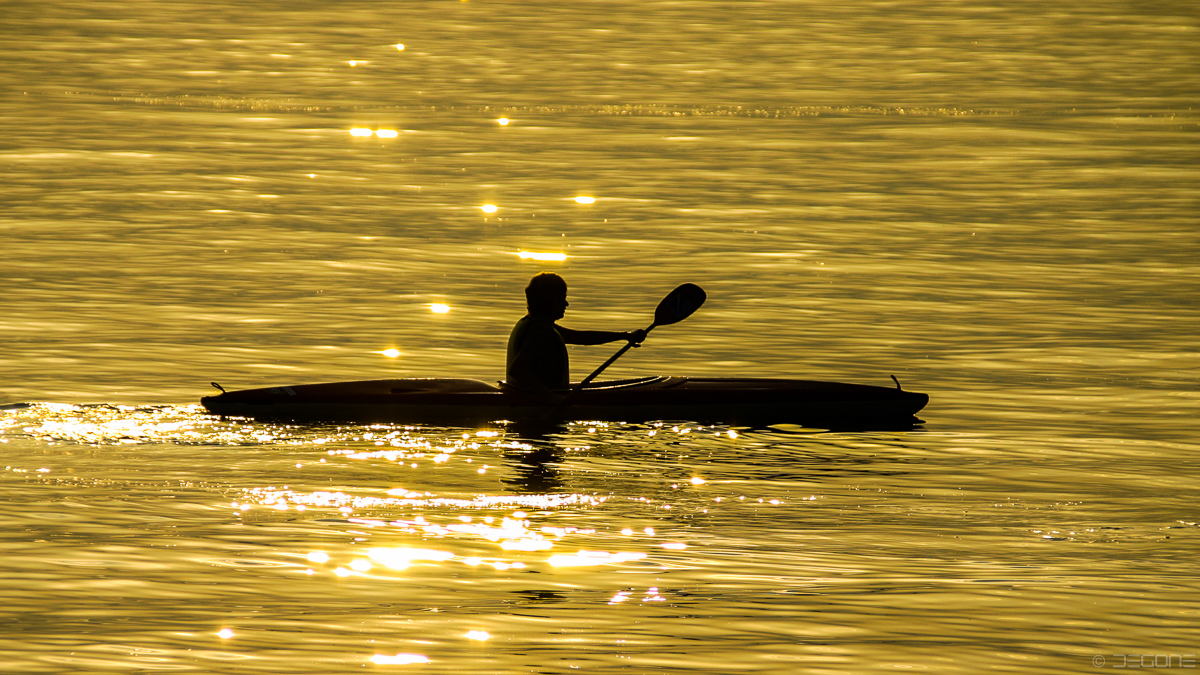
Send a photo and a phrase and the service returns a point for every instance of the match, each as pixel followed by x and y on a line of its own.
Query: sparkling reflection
pixel 398 659
pixel 135 425
pixel 271 497
pixel 592 558
pixel 544 257
pixel 402 558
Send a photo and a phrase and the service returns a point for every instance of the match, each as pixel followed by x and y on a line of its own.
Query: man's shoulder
pixel 536 327
pixel 532 321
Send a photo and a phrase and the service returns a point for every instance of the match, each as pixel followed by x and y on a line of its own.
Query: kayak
pixel 462 402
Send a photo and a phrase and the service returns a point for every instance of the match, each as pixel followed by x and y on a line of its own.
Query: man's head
pixel 547 294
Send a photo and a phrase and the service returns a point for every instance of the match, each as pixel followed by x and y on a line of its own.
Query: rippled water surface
pixel 994 202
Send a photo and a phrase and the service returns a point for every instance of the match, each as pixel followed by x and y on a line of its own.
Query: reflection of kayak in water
pixel 462 402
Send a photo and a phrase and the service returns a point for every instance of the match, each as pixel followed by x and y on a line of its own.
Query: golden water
pixel 994 202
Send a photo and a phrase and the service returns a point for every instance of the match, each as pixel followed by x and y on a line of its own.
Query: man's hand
pixel 636 336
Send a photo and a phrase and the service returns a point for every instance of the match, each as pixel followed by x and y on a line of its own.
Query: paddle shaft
pixel 677 306
pixel 596 373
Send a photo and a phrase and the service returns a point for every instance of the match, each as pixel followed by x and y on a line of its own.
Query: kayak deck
pixel 456 402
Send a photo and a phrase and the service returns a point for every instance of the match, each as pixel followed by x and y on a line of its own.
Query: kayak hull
pixel 458 402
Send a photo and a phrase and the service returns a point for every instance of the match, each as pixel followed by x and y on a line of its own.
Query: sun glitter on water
pixel 364 132
pixel 398 659
pixel 542 257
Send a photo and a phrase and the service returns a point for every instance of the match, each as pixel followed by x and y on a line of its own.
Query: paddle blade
pixel 679 304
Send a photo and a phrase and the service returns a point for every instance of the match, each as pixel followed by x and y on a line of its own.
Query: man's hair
pixel 543 289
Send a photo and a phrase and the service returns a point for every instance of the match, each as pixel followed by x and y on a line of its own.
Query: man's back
pixel 537 355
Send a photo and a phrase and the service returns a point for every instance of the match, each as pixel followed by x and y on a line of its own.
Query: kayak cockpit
pixel 608 385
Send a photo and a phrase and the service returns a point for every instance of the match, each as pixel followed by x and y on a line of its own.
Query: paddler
pixel 537 347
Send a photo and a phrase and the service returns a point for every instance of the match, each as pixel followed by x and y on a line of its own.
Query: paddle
pixel 677 306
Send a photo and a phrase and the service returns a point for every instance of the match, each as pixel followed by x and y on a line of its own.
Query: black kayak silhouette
pixel 457 402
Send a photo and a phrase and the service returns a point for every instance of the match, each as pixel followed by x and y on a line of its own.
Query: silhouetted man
pixel 537 347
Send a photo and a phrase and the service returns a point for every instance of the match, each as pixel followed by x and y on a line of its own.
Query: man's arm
pixel 598 337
